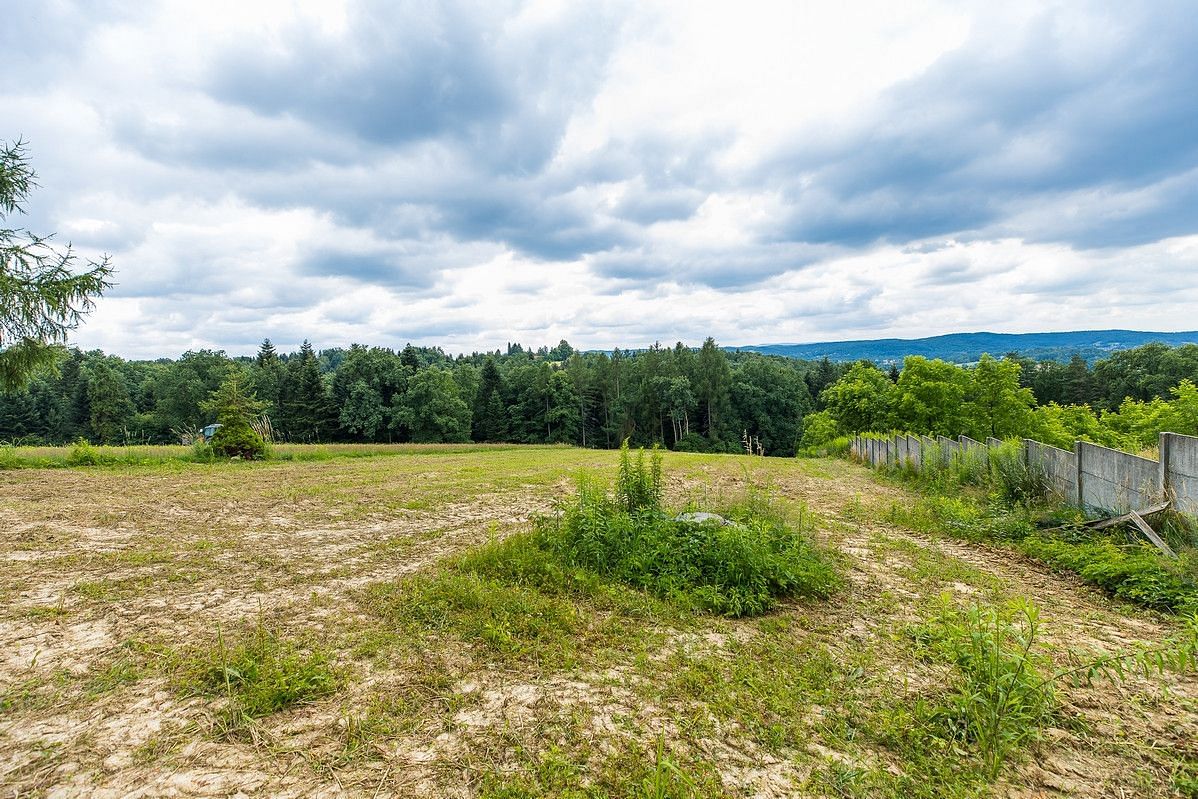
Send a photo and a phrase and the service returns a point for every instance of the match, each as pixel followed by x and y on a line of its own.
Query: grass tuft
pixel 258 673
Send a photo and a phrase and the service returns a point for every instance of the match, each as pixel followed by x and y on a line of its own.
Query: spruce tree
pixel 42 295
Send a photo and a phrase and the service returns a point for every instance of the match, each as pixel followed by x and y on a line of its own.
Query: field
pixel 306 627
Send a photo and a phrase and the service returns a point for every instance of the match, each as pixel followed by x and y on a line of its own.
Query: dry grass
pixel 115 583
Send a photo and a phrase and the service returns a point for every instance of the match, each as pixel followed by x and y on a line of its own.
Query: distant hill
pixel 968 347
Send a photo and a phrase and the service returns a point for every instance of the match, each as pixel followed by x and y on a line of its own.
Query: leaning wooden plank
pixel 1150 534
pixel 1102 524
pixel 1099 524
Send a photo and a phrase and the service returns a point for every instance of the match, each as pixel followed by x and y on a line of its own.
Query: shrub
pixel 692 442
pixel 735 569
pixel 236 439
pixel 234 409
pixel 84 454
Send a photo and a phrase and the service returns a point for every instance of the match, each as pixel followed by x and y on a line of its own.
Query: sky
pixel 466 175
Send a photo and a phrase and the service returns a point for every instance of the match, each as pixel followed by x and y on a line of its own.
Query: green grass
pixel 257 672
pixel 513 603
pixel 85 454
pixel 1129 570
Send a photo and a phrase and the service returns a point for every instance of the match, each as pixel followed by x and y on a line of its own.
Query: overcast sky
pixel 611 173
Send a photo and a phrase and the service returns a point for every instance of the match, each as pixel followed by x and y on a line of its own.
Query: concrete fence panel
pixel 915 451
pixel 971 448
pixel 1111 480
pixel 1059 467
pixel 1179 470
pixel 1093 477
pixel 948 449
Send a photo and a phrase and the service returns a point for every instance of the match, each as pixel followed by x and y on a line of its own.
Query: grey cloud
pixel 387 269
pixel 739 268
pixel 942 153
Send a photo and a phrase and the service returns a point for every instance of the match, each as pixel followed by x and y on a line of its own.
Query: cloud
pixel 467 174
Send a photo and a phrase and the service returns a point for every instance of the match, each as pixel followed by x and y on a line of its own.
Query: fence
pixel 1090 476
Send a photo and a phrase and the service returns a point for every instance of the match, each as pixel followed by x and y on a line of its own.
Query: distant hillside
pixel 968 347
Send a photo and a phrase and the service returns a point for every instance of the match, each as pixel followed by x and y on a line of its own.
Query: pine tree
pixel 490 414
pixel 308 413
pixel 42 296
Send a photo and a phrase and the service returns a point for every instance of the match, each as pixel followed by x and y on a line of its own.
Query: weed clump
pixel 740 568
pixel 84 454
pixel 1000 699
pixel 257 674
pixel 1002 692
pixel 1016 479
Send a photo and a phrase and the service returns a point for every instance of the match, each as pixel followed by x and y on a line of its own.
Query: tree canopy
pixel 43 295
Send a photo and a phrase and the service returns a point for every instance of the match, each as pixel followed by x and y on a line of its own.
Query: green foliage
pixel 998 405
pixel 638 489
pixel 861 400
pixel 737 569
pixel 258 673
pixel 84 454
pixel 818 429
pixel 9 458
pixel 930 397
pixel 234 408
pixel 238 440
pixel 999 700
pixel 42 295
pixel 1134 572
pixel 433 411
pixel 1014 478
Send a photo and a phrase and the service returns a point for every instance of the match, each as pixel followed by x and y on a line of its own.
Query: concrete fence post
pixel 1165 481
pixel 1078 449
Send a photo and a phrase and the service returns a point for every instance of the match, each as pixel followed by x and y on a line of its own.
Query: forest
pixel 1123 401
pixel 690 399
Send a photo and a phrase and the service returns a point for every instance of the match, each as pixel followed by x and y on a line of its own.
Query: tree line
pixel 701 399
pixel 1122 401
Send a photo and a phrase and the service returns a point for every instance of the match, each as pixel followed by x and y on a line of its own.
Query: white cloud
pixel 613 174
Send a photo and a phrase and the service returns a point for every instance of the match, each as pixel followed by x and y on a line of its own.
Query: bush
pixel 692 442
pixel 236 439
pixel 234 408
pixel 736 569
pixel 84 454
